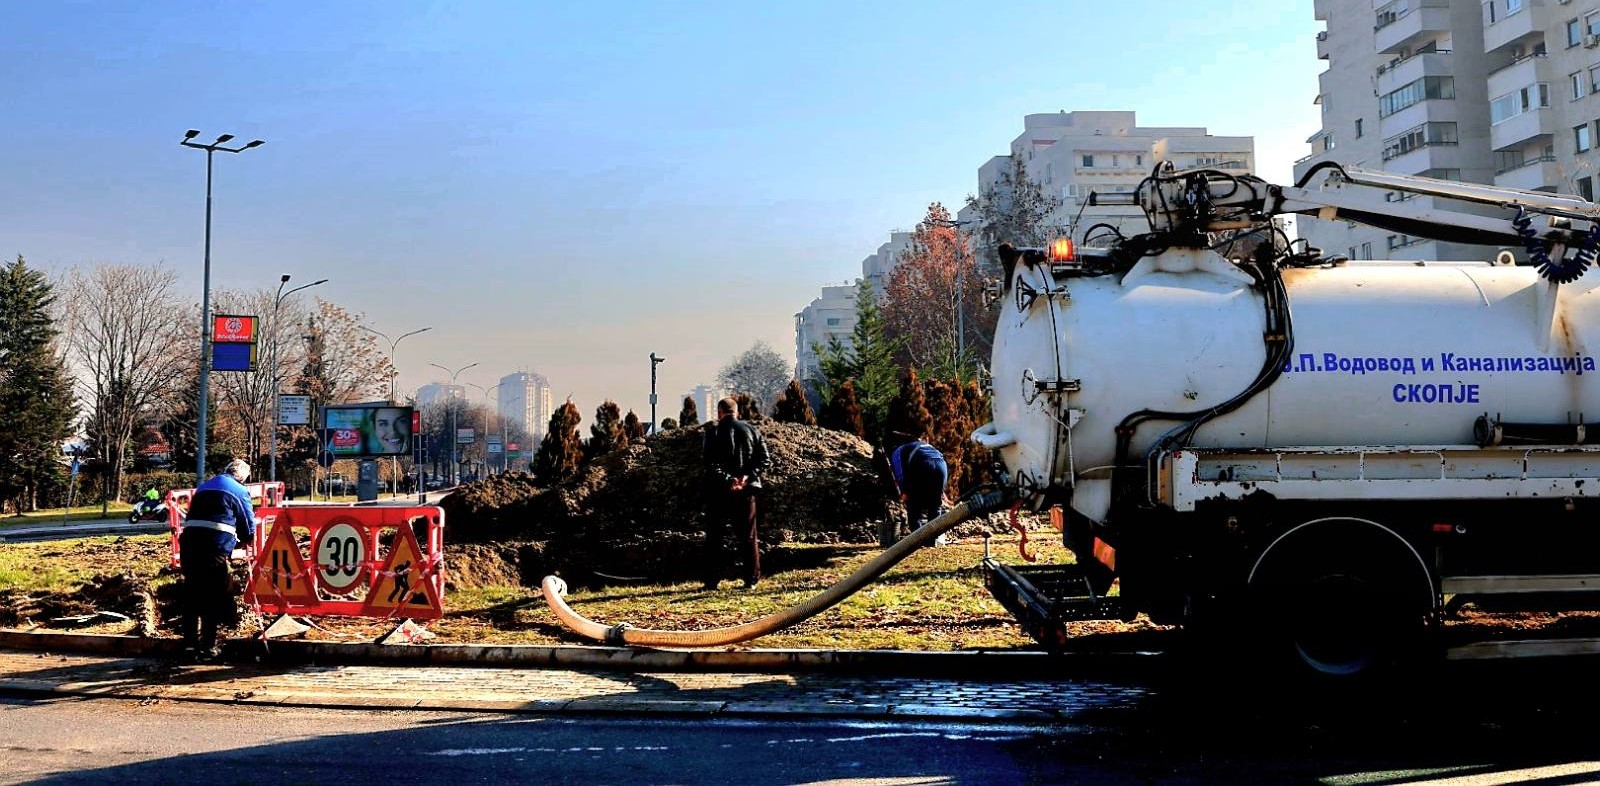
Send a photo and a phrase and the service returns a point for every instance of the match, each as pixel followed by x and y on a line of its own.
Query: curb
pixel 968 664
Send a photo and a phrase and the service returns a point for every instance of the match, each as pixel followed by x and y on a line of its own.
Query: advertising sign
pixel 367 430
pixel 233 329
pixel 233 357
pixel 493 447
pixel 465 436
pixel 294 410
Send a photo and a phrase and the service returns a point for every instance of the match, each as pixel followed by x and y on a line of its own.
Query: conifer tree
pixel 793 406
pixel 908 413
pixel 561 451
pixel 869 360
pixel 632 427
pixel 690 414
pixel 35 390
pixel 748 408
pixel 842 412
pixel 667 424
pixel 606 433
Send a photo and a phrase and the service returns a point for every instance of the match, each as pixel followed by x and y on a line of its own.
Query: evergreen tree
pixel 869 360
pixel 843 413
pixel 606 433
pixel 748 407
pixel 690 414
pixel 561 451
pixel 667 424
pixel 35 391
pixel 632 427
pixel 793 407
pixel 908 413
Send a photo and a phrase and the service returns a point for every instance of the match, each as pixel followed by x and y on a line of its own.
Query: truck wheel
pixel 1342 598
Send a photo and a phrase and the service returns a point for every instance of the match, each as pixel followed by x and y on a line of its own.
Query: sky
pixel 566 188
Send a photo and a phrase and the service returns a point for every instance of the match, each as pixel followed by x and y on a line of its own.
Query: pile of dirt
pixel 120 594
pixel 639 512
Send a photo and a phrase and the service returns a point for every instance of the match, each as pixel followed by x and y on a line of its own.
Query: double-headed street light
pixel 394 371
pixel 455 466
pixel 498 414
pixel 272 471
pixel 394 368
pixel 205 296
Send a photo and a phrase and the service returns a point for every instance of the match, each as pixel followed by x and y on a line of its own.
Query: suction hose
pixel 623 633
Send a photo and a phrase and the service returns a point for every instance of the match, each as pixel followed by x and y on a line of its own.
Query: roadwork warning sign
pixel 403 588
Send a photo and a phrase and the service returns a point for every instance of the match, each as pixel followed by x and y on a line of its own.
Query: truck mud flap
pixel 1044 598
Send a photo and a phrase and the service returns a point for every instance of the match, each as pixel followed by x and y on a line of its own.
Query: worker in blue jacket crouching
pixel 220 518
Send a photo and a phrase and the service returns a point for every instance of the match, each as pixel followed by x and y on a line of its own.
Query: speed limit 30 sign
pixel 341 556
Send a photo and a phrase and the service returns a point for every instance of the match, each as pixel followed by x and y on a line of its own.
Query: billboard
pixel 366 430
pixel 233 329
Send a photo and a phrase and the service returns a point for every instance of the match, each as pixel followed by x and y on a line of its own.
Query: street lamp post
pixel 272 471
pixel 654 361
pixel 205 293
pixel 498 414
pixel 455 466
pixel 394 371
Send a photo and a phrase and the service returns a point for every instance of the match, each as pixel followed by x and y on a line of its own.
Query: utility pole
pixel 205 292
pixel 654 361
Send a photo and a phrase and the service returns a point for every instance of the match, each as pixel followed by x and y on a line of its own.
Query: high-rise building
pixel 525 398
pixel 434 392
pixel 831 316
pixel 705 401
pixel 1494 92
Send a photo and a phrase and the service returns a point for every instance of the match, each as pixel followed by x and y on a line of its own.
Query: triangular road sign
pixel 279 574
pixel 401 586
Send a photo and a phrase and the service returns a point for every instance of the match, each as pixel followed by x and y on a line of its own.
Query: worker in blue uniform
pixel 920 474
pixel 220 518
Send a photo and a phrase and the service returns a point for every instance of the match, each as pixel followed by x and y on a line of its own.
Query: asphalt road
pixel 1531 723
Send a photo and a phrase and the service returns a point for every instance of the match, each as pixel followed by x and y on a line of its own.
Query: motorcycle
pixel 148 510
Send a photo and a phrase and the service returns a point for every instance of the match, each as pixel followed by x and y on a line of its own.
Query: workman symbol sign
pixel 402 587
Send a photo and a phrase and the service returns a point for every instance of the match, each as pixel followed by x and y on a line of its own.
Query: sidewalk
pixel 558 690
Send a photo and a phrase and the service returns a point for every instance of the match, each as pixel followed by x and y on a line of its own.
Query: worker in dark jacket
pixel 220 518
pixel 920 474
pixel 735 456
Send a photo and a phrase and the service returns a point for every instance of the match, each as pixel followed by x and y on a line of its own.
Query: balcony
pixel 1514 131
pixel 1528 23
pixel 1406 70
pixel 1524 71
pixel 1532 175
pixel 1322 45
pixel 1397 30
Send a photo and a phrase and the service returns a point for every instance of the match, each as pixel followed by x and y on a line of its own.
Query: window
pixel 1366 250
pixel 1526 99
pixel 1358 128
pixel 1088 159
pixel 1419 137
pixel 1586 188
pixel 1574 33
pixel 1594 79
pixel 1576 81
pixel 833 321
pixel 1423 89
pixel 1591 23
pixel 1352 254
pixel 1581 137
pixel 1513 6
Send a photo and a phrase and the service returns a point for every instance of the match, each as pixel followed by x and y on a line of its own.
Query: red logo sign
pixel 416 421
pixel 233 329
pixel 346 437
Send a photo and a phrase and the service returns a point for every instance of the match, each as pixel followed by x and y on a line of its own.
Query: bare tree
pixel 759 371
pixel 128 347
pixel 1014 209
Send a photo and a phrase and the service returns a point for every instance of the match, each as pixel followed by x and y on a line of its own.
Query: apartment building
pixel 830 316
pixel 435 392
pixel 1496 92
pixel 525 398
pixel 1073 154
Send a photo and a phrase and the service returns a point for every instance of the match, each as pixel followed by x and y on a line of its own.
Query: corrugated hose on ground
pixel 622 633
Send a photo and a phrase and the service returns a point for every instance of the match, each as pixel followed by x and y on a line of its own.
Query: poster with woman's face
pixel 356 432
pixel 391 431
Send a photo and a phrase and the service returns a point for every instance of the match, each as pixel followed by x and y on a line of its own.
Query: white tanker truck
pixel 1233 427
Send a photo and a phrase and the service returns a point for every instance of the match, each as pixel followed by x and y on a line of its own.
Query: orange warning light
pixel 1061 250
